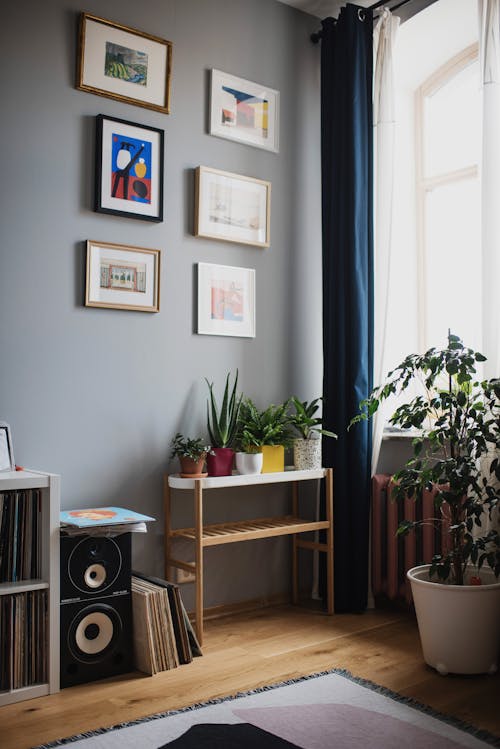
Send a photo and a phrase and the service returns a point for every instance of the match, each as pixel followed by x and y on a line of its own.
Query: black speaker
pixel 96 608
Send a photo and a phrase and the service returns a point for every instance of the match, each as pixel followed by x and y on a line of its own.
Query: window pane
pixel 452 124
pixel 453 263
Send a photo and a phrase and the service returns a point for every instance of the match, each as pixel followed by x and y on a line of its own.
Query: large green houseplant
pixel 222 423
pixel 456 455
pixel 266 431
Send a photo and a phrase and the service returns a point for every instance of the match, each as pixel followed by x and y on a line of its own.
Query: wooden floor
pixel 250 650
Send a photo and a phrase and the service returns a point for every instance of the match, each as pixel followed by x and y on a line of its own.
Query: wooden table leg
pixel 198 516
pixel 329 540
pixel 167 542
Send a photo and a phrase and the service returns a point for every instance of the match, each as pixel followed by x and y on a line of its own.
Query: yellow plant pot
pixel 273 458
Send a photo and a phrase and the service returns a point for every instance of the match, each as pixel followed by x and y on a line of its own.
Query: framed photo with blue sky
pixel 129 169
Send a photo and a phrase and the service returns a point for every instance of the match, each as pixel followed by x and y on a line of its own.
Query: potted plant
pixel 456 454
pixel 222 424
pixel 307 447
pixel 266 431
pixel 192 453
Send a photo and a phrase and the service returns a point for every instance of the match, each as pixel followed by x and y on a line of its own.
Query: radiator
pixel 392 555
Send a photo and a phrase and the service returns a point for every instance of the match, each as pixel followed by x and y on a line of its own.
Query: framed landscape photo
pixel 232 207
pixel 244 111
pixel 129 169
pixel 226 300
pixel 123 63
pixel 7 462
pixel 122 277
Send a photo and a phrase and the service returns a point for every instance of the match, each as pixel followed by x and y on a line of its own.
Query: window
pixel 448 142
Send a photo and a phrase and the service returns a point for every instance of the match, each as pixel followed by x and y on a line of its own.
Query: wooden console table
pixel 247 530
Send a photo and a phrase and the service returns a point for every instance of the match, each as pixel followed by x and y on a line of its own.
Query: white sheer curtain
pixel 489 56
pixel 384 36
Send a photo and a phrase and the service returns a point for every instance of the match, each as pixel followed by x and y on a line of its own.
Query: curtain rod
pixel 316 36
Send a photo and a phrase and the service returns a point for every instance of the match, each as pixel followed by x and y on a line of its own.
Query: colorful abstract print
pixel 244 110
pixel 127 64
pixel 226 301
pixel 131 163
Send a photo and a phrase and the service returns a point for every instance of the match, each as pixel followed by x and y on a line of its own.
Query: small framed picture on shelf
pixel 226 300
pixel 7 462
pixel 123 63
pixel 122 277
pixel 244 111
pixel 232 207
pixel 129 169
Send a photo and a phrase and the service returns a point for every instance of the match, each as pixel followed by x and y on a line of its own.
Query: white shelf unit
pixel 204 535
pixel 49 485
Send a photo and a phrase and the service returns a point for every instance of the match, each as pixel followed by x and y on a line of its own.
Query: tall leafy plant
pixel 305 421
pixel 222 421
pixel 268 427
pixel 455 451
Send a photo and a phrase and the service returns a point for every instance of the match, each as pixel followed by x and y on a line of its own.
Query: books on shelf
pixel 103 521
pixel 163 635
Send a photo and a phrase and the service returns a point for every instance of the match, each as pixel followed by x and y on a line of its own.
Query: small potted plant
pixel 307 447
pixel 222 424
pixel 455 454
pixel 192 453
pixel 267 431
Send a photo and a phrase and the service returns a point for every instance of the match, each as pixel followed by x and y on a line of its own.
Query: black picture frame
pixel 7 462
pixel 129 169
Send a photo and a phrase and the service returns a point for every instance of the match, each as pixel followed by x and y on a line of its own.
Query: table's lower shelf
pixel 248 530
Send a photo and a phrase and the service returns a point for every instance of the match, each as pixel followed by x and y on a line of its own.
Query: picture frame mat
pixel 208 275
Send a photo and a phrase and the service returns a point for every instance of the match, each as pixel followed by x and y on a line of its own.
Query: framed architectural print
pixel 122 277
pixel 232 207
pixel 129 169
pixel 123 63
pixel 7 462
pixel 226 300
pixel 244 111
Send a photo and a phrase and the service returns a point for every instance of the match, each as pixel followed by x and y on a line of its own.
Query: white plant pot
pixel 459 625
pixel 247 463
pixel 306 454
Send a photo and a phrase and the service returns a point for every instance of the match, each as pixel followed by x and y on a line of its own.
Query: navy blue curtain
pixel 347 217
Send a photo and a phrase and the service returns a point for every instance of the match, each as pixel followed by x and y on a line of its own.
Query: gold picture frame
pixel 123 63
pixel 122 277
pixel 232 207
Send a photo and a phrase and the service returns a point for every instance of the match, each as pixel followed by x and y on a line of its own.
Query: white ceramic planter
pixel 248 463
pixel 307 454
pixel 459 625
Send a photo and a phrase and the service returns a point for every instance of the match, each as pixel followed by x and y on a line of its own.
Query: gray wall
pixel 96 395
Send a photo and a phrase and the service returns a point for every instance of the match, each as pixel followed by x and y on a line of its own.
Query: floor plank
pixel 249 650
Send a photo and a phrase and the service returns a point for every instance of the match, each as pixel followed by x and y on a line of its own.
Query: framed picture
pixel 6 450
pixel 123 63
pixel 232 207
pixel 226 300
pixel 129 169
pixel 244 111
pixel 122 277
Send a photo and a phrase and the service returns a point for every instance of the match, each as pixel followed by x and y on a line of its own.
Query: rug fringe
pixel 478 733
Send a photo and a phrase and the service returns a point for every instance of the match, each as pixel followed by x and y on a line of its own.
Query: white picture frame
pixel 244 111
pixel 226 300
pixel 232 207
pixel 7 462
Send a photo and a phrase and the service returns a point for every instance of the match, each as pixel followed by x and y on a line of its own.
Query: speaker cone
pixel 93 632
pixel 94 564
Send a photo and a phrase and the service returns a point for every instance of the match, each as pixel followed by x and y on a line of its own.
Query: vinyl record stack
pixel 163 635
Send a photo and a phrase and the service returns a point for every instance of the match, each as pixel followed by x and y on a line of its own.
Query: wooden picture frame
pixel 232 207
pixel 129 169
pixel 7 462
pixel 226 300
pixel 244 111
pixel 123 63
pixel 122 277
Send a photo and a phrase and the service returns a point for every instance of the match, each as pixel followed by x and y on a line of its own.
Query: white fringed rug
pixel 332 710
